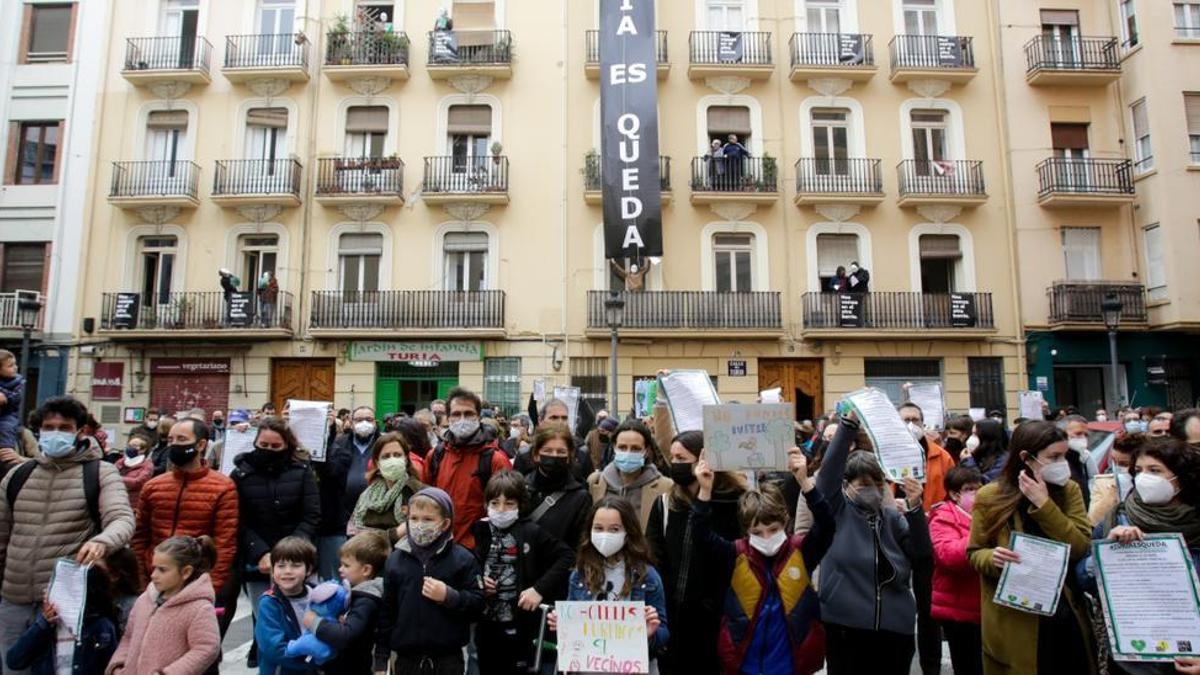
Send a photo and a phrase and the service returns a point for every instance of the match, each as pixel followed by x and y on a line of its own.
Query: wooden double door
pixel 301 379
pixel 801 381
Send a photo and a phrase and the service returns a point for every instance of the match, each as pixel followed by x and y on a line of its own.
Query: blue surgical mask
pixel 56 444
pixel 1136 427
pixel 629 462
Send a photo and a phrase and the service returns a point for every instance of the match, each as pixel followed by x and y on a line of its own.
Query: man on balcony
pixel 634 275
pixel 735 155
pixel 859 280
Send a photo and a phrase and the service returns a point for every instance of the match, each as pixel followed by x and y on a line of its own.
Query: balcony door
pixel 166 144
pixel 831 141
pixel 823 16
pixel 1060 38
pixel 920 17
pixel 941 257
pixel 156 256
pixel 260 253
pixel 733 256
pixel 276 26
pixel 930 130
pixel 359 258
pixel 1070 143
pixel 470 137
pixel 366 137
pixel 180 20
pixel 266 143
pixel 726 15
pixel 466 255
pixel 919 45
pixel 1081 253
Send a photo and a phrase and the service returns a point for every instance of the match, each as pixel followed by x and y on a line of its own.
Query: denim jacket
pixel 650 591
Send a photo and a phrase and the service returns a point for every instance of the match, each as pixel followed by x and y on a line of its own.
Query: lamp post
pixel 28 307
pixel 1111 308
pixel 614 313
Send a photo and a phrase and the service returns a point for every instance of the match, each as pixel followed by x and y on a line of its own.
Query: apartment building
pixel 427 202
pixel 49 76
pixel 1103 120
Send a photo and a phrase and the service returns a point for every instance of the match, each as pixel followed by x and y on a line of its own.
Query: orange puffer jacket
pixel 191 503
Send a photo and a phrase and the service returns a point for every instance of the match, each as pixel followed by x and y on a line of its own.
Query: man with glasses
pixel 343 477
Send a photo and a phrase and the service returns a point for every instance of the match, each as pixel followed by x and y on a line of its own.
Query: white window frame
pixel 250 281
pixel 447 267
pixel 1093 264
pixel 947 24
pixel 187 149
pixel 333 278
pixel 1126 10
pixel 241 119
pixel 756 121
pixel 810 246
pixel 964 269
pixel 1143 146
pixel 955 134
pixel 233 253
pixel 360 254
pixel 749 13
pixel 1189 27
pixel 1193 133
pixel 491 275
pixel 760 274
pixel 142 251
pixel 857 138
pixel 732 250
pixel 1156 260
pixel 133 268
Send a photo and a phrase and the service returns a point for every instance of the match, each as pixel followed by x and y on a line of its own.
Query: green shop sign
pixel 422 353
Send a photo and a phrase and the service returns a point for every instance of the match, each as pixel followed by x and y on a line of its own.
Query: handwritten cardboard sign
pixel 602 637
pixel 740 437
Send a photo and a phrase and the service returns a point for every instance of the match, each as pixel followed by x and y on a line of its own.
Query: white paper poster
pixel 978 414
pixel 309 421
pixel 928 397
pixel 771 395
pixel 570 396
pixel 748 436
pixel 900 455
pixel 236 443
pixel 68 594
pixel 687 392
pixel 539 390
pixel 1031 405
pixel 602 637
pixel 1035 584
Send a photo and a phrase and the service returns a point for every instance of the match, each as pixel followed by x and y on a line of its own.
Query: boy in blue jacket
pixel 282 606
pixel 432 591
pixel 353 636
pixel 12 393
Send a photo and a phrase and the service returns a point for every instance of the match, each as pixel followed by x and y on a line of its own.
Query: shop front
pixel 410 374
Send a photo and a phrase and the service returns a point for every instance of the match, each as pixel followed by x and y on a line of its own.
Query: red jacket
pixel 457 474
pixel 955 583
pixel 938 463
pixel 190 503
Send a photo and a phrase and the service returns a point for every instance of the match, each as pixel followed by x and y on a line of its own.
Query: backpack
pixel 91 488
pixel 484 472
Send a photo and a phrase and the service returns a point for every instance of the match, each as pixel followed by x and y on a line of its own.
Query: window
pixel 470 131
pixel 890 375
pixel 1143 152
pixel 726 15
pixel 920 17
pixel 260 253
pixel 180 19
pixel 1060 32
pixel 834 251
pixel 985 377
pixel 929 130
pixel 382 11
pixel 823 16
pixel 1129 27
pixel 359 256
pixel 366 131
pixel 278 18
pixel 266 134
pixel 502 383
pixel 157 256
pixel 166 135
pixel 941 256
pixel 1070 143
pixel 1081 252
pixel 1156 273
pixel 474 15
pixel 831 132
pixel 1187 20
pixel 733 254
pixel 724 120
pixel 24 267
pixel 466 261
pixel 591 376
pixel 37 153
pixel 49 31
pixel 1191 109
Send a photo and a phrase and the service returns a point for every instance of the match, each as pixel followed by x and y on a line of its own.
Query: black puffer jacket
pixel 332 474
pixel 276 500
pixel 567 519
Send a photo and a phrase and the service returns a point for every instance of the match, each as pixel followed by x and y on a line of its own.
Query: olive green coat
pixel 1010 636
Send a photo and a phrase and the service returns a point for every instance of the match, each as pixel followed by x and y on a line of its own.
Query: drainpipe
pixel 563 229
pixel 306 214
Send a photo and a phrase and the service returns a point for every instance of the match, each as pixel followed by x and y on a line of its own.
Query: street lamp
pixel 614 313
pixel 1110 309
pixel 29 304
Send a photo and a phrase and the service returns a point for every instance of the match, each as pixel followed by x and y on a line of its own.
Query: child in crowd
pixel 352 637
pixel 293 560
pixel 173 625
pixel 432 592
pixel 125 575
pixel 614 564
pixel 12 392
pixel 523 566
pixel 955 584
pixel 36 649
pixel 772 622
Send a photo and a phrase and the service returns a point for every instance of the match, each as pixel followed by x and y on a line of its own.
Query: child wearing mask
pixel 173 625
pixel 614 564
pixel 771 623
pixel 281 608
pixel 955 583
pixel 523 567
pixel 353 634
pixel 432 592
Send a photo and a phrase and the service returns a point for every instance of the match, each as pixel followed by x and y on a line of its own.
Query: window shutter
pixel 268 117
pixel 1069 136
pixel 728 119
pixel 167 119
pixel 470 119
pixel 1081 250
pixel 473 15
pixel 1191 107
pixel 940 246
pixel 733 240
pixel 361 119
pixel 1141 124
pixel 24 267
pixel 1156 275
pixel 1060 17
pixel 834 250
pixel 465 242
pixel 364 243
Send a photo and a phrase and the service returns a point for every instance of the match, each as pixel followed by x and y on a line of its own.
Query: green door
pixel 402 387
pixel 387 396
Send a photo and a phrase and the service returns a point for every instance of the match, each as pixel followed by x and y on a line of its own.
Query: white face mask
pixel 1124 482
pixel 1056 473
pixel 972 443
pixel 608 543
pixel 1154 490
pixel 151 424
pixel 363 428
pixel 1078 444
pixel 768 546
pixel 502 519
pixel 917 432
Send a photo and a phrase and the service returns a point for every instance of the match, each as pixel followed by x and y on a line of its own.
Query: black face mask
pixel 955 446
pixel 681 473
pixel 554 468
pixel 182 455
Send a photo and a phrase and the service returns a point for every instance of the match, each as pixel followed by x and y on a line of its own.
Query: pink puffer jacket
pixel 955 582
pixel 180 637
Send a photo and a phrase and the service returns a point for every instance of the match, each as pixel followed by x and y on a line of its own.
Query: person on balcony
pixel 735 155
pixel 634 275
pixel 859 280
pixel 839 283
pixel 229 286
pixel 268 295
pixel 715 159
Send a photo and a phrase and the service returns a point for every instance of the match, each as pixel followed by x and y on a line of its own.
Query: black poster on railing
pixel 730 48
pixel 962 311
pixel 949 52
pixel 125 311
pixel 850 314
pixel 850 50
pixel 445 46
pixel 239 311
pixel 629 133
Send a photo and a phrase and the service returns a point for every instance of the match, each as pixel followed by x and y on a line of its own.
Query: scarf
pixel 1166 518
pixel 378 498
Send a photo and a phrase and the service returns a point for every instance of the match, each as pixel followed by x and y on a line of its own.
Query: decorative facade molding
pixel 170 90
pixel 727 84
pixel 361 212
pixel 929 88
pixel 369 85
pixel 470 83
pixel 838 213
pixel 268 87
pixel 158 215
pixel 465 212
pixel 733 211
pixel 939 213
pixel 260 213
pixel 830 86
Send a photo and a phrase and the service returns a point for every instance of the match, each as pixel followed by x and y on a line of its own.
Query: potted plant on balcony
pixel 770 174
pixel 497 149
pixel 393 46
pixel 339 40
pixel 591 170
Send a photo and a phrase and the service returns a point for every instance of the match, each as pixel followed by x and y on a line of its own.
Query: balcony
pixel 866 315
pixel 253 182
pixel 486 53
pixel 593 179
pixel 360 180
pixel 137 185
pixel 465 179
pixel 702 314
pixel 725 179
pixel 1078 303
pixel 718 53
pixel 413 313
pixel 838 181
pixel 1080 61
pixel 282 56
pixel 950 58
pixel 157 60
pixel 849 56
pixel 196 314
pixel 591 61
pixel 949 182
pixel 1085 182
pixel 350 56
pixel 10 312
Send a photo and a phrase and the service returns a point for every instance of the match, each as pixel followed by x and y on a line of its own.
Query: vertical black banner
pixel 629 131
